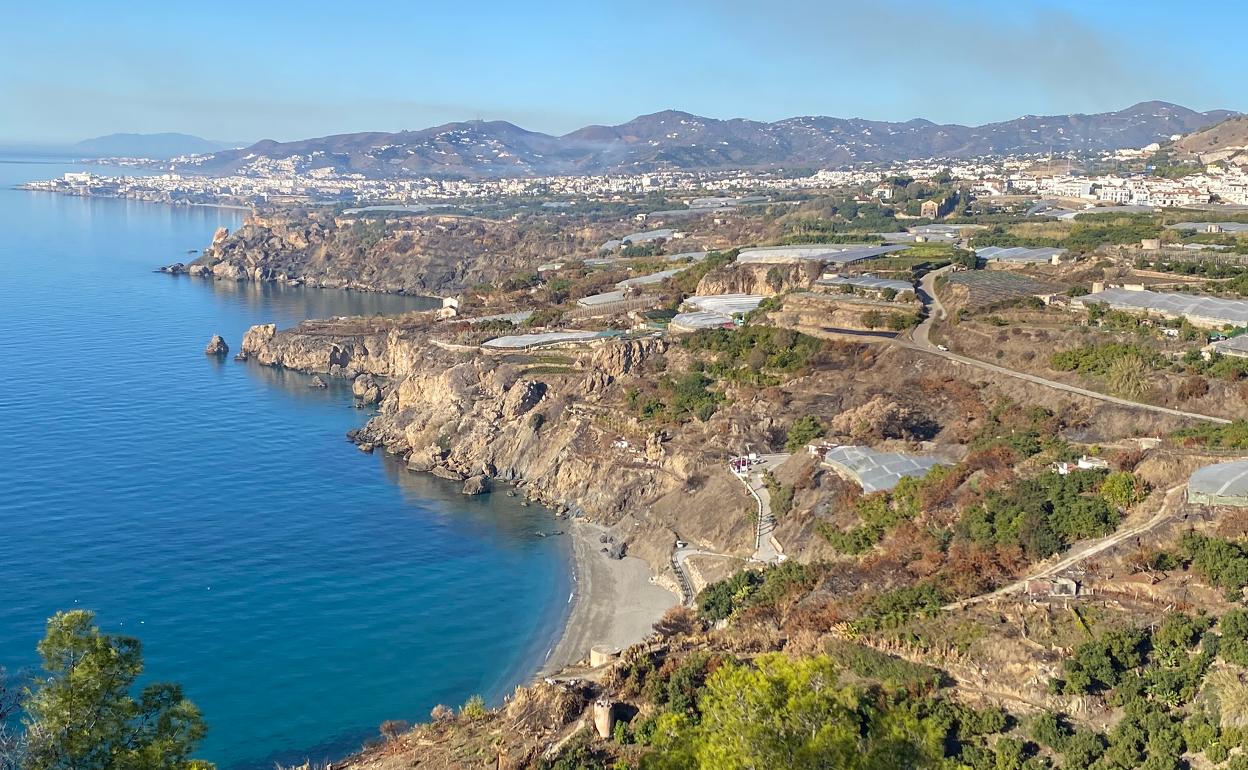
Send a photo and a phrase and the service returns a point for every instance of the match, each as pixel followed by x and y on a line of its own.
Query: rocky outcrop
pixel 476 485
pixel 216 346
pixel 346 349
pixel 366 390
pixel 442 472
pixel 522 397
pixel 427 255
pixel 758 278
pixel 317 382
pixel 610 362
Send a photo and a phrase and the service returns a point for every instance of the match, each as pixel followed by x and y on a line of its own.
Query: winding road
pixel 765 549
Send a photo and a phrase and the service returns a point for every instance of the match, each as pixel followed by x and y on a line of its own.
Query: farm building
pixel 1220 484
pixel 605 298
pixel 1235 346
pixel 691 256
pixel 728 304
pixel 700 319
pixel 841 254
pixel 1211 227
pixel 1020 255
pixel 642 237
pixel 1199 309
pixel 646 280
pixel 867 283
pixel 875 471
pixel 538 340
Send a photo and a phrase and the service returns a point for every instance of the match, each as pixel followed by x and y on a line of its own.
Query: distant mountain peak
pixel 675 140
pixel 159 145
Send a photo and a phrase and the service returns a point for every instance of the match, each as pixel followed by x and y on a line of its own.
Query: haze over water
pixel 301 591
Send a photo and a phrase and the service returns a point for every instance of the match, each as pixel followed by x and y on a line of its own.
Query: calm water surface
pixel 301 591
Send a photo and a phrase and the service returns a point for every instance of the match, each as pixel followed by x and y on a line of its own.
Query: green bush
pixel 474 708
pixel 1233 436
pixel 1223 563
pixel 1101 664
pixel 803 431
pixel 1042 515
pixel 894 673
pixel 780 496
pixel 893 608
pixel 1098 360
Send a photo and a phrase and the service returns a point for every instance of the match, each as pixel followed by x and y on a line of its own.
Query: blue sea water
pixel 301 591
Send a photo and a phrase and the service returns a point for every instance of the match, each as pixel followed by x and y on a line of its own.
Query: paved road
pixel 764 550
pixel 921 340
pixel 1169 506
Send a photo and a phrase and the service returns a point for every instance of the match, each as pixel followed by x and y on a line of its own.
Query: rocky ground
pixel 428 255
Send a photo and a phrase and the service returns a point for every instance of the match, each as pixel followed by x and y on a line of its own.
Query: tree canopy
pixel 81 715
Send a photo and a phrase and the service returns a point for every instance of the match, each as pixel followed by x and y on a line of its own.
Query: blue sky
pixel 286 70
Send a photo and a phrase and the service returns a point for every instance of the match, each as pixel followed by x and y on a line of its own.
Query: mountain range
pixel 155 146
pixel 673 140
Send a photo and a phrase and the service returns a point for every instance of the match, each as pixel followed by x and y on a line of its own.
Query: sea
pixel 301 591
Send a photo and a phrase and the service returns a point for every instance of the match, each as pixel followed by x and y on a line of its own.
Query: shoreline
pixel 25 187
pixel 614 603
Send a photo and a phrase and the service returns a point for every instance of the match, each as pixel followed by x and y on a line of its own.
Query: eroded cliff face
pixel 751 278
pixel 560 437
pixel 426 255
pixel 327 348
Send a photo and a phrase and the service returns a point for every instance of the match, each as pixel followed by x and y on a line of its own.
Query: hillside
pixel 679 140
pixel 1224 141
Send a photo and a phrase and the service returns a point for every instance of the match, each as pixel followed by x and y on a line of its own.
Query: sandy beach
pixel 614 602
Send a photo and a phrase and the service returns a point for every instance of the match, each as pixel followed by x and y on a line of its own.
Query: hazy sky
pixel 286 70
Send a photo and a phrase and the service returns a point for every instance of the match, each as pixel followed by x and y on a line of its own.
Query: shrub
pixel 1122 489
pixel 892 672
pixel 780 496
pixel 1233 645
pixel 1042 515
pixel 474 709
pixel 1222 563
pixel 1233 436
pixel 892 608
pixel 676 621
pixel 391 729
pixel 803 431
pixel 1100 665
pixel 1193 387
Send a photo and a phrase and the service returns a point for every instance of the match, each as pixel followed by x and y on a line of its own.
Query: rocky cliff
pixel 425 255
pixel 560 436
pixel 751 278
pixel 559 426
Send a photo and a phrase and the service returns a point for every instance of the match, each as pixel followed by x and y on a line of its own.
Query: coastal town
pixel 288 183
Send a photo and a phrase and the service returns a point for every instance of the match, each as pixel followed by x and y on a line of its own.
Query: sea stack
pixel 216 346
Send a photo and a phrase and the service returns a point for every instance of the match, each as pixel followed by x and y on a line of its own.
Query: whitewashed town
pixel 294 180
